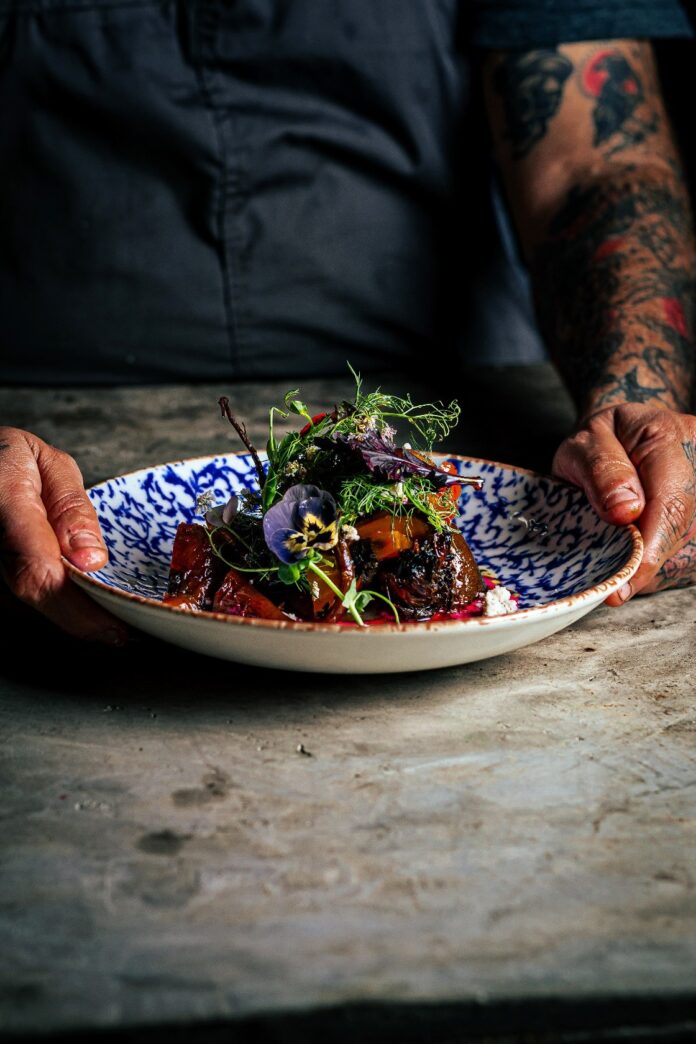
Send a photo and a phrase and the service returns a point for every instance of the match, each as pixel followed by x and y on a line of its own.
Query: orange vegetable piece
pixel 389 535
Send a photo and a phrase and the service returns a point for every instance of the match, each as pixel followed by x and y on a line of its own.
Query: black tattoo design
pixel 531 86
pixel 629 387
pixel 679 570
pixel 611 80
pixel 614 284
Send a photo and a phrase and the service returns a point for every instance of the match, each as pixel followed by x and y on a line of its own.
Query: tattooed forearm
pixel 621 115
pixel 531 87
pixel 618 84
pixel 614 285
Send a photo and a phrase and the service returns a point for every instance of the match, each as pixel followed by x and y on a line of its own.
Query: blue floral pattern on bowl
pixel 539 537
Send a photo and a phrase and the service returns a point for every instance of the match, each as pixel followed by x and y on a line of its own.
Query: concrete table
pixel 488 851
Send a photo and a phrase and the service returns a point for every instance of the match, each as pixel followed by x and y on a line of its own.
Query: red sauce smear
pixel 474 608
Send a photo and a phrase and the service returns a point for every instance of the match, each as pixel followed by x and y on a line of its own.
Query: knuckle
pixel 34 581
pixel 70 508
pixel 61 458
pixel 661 429
pixel 679 510
pixel 660 433
pixel 582 441
pixel 579 449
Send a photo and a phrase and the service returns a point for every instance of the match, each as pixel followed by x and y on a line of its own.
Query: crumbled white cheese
pixel 499 602
pixel 350 534
pixel 397 489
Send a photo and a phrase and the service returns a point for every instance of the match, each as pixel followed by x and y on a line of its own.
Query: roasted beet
pixel 364 561
pixel 438 576
pixel 346 575
pixel 195 570
pixel 238 597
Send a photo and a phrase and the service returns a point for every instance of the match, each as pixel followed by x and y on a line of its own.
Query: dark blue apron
pixel 243 188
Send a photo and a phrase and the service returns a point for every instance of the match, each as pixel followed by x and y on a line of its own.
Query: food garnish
pixel 344 522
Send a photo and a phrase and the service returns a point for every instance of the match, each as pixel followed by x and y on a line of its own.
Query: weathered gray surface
pixel 519 828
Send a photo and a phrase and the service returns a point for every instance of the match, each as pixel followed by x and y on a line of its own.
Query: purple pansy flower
pixel 304 519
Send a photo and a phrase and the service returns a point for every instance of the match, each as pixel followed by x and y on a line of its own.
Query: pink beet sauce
pixel 474 608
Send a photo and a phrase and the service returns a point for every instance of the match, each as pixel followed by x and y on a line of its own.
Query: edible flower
pixel 222 515
pixel 304 520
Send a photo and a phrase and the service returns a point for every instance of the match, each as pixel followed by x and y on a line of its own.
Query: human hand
pixel 45 513
pixel 637 463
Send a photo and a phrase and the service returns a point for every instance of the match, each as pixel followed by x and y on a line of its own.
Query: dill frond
pixel 363 495
pixel 429 422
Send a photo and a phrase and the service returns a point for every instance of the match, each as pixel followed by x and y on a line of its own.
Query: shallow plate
pixel 539 537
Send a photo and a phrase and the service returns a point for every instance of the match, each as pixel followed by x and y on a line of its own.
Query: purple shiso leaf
pixel 393 464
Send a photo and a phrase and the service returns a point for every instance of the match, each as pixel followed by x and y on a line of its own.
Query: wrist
pixel 598 404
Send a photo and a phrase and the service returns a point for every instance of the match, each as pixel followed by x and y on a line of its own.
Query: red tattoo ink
pixel 594 76
pixel 674 314
pixel 608 248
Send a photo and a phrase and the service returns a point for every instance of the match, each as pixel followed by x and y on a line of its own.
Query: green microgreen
pixel 361 599
pixel 429 422
pixel 363 495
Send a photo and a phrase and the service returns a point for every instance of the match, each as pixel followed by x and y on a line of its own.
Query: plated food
pixel 538 537
pixel 344 523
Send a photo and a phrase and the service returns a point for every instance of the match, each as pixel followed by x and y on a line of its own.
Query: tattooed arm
pixel 602 212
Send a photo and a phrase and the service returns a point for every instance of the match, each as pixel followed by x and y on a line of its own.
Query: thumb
pixel 595 460
pixel 68 508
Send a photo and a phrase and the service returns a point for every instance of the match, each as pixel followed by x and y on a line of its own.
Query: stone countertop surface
pixel 501 848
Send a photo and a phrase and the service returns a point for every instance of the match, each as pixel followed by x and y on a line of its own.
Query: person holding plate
pixel 262 189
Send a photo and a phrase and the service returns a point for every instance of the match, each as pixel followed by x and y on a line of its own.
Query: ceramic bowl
pixel 538 536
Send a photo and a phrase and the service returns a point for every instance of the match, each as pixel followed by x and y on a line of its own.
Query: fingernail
pixel 111 636
pixel 620 497
pixel 624 593
pixel 88 558
pixel 84 539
